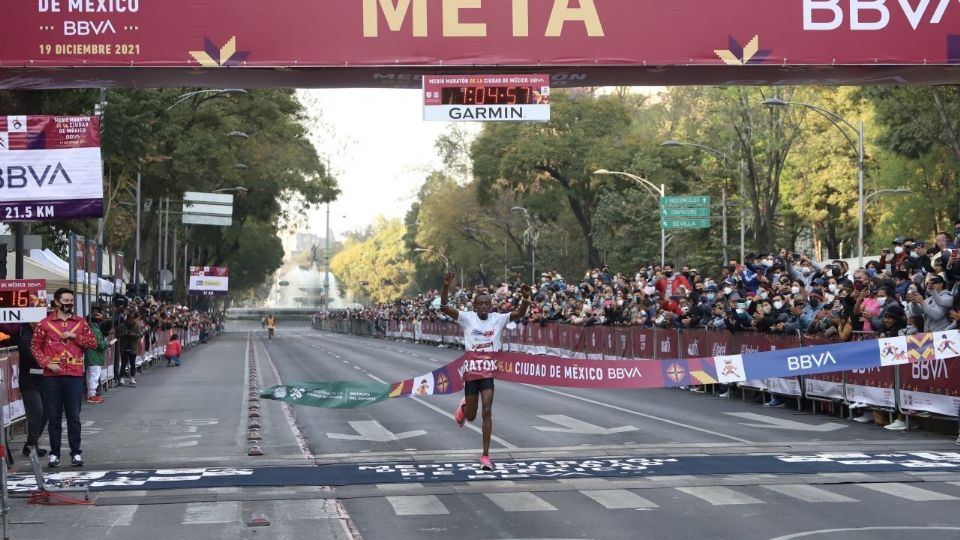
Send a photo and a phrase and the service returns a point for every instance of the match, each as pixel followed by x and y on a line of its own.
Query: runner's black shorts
pixel 472 388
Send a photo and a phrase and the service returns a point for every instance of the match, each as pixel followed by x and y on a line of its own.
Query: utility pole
pixel 326 265
pixel 136 255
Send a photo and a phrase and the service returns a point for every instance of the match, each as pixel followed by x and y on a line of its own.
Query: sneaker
pixel 724 395
pixel 485 463
pixel 40 451
pixel 865 418
pixel 94 399
pixel 76 460
pixel 133 382
pixel 120 382
pixel 775 402
pixel 53 461
pixel 459 416
pixel 897 425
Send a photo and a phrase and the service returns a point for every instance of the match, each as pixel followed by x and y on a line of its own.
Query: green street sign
pixel 671 212
pixel 685 223
pixel 685 200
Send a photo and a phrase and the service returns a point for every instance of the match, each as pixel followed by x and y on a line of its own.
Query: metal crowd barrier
pixel 880 388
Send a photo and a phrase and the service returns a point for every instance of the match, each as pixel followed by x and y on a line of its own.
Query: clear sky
pixel 379 148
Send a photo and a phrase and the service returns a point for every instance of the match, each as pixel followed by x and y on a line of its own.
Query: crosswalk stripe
pixel 520 502
pixel 417 505
pixel 616 499
pixel 719 496
pixel 908 492
pixel 808 493
pixel 293 510
pixel 219 512
pixel 108 516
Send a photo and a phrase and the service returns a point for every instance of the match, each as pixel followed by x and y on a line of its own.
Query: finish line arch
pixel 392 43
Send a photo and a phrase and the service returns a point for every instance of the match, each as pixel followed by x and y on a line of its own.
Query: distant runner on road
pixel 271 325
pixel 481 332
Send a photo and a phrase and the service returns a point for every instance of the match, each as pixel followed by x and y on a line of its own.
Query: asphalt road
pixel 194 418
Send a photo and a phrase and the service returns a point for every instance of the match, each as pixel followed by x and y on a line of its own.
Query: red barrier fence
pixel 922 386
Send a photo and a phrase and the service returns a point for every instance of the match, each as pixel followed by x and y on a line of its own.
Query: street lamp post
pixel 725 161
pixel 533 236
pixel 839 122
pixel 657 193
pixel 446 261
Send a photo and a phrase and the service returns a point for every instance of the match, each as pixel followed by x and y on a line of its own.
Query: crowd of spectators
pixel 909 289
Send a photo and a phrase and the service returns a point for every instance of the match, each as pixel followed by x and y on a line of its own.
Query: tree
pixel 547 162
pixel 381 262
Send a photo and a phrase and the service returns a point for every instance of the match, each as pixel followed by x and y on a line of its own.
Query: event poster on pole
pixel 50 167
pixel 209 280
pixel 118 269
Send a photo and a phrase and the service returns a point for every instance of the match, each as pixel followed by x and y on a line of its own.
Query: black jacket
pixel 28 381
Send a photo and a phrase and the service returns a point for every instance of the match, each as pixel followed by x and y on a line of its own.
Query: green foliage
pixel 379 267
pixel 206 142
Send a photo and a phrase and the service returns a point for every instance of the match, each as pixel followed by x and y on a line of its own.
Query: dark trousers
pixel 36 416
pixel 62 395
pixel 117 363
pixel 129 366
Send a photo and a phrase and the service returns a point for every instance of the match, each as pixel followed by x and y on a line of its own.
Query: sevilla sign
pixel 577 42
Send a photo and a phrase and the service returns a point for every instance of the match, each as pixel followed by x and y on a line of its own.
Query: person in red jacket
pixel 173 350
pixel 58 344
pixel 667 285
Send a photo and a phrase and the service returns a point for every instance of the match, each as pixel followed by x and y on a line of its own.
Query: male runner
pixel 481 332
pixel 271 326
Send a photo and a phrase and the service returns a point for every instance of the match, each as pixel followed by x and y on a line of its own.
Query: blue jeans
pixel 62 395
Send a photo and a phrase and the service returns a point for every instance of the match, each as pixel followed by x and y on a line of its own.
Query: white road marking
pixel 638 413
pixel 371 430
pixel 111 516
pixel 205 513
pixel 520 502
pixel 719 495
pixel 572 425
pixel 831 533
pixel 417 505
pixel 908 492
pixel 305 509
pixel 287 410
pixel 808 494
pixel 398 487
pixel 617 499
pixel 772 422
pixel 499 440
pixel 492 483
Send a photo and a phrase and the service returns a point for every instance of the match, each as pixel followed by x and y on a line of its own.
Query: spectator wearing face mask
pixel 668 284
pixel 935 308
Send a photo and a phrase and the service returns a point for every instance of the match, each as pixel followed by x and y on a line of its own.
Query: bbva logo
pixel 807 361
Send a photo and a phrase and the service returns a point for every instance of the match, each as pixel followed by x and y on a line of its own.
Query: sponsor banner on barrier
pixel 817 386
pixel 927 385
pixel 872 386
pixel 789 386
pixel 565 372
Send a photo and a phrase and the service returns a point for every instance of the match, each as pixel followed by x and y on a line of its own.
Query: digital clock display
pixel 17 298
pixel 489 95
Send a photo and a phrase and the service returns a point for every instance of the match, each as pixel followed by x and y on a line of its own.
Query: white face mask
pixel 727 290
pixel 829 297
pixel 914 255
pixel 767 262
pixel 898 250
pixel 659 319
pixel 833 287
pixel 806 270
pixel 795 290
pixel 778 305
pixel 881 300
pixel 763 295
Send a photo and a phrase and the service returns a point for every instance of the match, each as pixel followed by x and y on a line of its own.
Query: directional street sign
pixel 685 223
pixel 685 200
pixel 671 212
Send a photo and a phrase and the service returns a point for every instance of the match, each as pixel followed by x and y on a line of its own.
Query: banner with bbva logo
pixel 50 168
pixel 625 374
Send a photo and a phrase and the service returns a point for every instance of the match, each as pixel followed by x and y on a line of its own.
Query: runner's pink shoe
pixel 485 463
pixel 459 416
